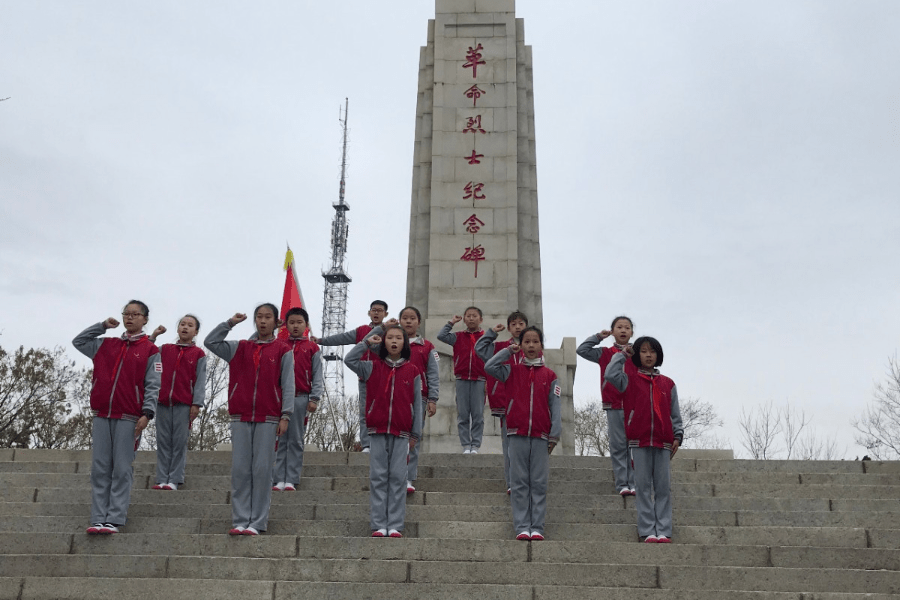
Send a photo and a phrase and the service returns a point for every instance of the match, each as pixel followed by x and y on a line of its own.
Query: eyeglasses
pixel 132 314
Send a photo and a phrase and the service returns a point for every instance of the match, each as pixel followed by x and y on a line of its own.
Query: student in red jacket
pixel 309 386
pixel 468 368
pixel 260 403
pixel 487 347
pixel 378 310
pixel 394 418
pixel 180 399
pixel 533 424
pixel 425 357
pixel 124 393
pixel 654 431
pixel 621 330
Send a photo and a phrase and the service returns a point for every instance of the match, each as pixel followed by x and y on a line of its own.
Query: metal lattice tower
pixel 334 306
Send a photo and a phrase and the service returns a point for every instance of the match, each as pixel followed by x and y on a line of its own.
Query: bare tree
pixel 768 432
pixel 591 432
pixel 335 424
pixel 699 419
pixel 213 425
pixel 878 429
pixel 759 430
pixel 43 400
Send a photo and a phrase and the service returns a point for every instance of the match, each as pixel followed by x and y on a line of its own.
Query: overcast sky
pixel 726 173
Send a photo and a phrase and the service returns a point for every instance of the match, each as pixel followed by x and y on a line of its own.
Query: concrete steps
pixel 743 529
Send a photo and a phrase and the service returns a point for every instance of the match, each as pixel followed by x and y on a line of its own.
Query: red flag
pixel 293 297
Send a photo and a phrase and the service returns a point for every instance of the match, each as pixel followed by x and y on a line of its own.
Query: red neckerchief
pixel 657 397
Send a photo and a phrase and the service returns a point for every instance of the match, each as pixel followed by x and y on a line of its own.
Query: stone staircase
pixel 743 529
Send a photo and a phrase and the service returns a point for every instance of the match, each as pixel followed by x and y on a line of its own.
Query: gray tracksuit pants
pixel 172 431
pixel 413 466
pixel 252 455
pixel 652 484
pixel 529 470
pixel 363 431
pixel 470 412
pixel 112 445
pixel 289 456
pixel 387 481
pixel 504 443
pixel 618 449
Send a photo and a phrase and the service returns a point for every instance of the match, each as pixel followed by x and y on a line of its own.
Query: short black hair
pixel 480 314
pixel 414 309
pixel 516 314
pixel 657 347
pixel 539 333
pixel 382 350
pixel 297 311
pixel 381 302
pixel 620 317
pixel 266 305
pixel 144 310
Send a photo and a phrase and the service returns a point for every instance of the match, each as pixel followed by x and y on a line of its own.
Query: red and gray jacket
pixel 260 376
pixel 393 393
pixel 353 336
pixel 652 414
pixel 126 373
pixel 533 389
pixel 466 362
pixel 183 375
pixel 308 375
pixel 486 348
pixel 612 398
pixel 425 357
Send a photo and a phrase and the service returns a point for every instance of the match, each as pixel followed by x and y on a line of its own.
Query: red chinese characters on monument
pixel 473 254
pixel 473 124
pixel 474 93
pixel 473 191
pixel 473 59
pixel 473 224
pixel 474 159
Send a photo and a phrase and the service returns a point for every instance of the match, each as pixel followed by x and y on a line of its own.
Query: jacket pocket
pixel 137 398
pixel 630 417
pixel 233 390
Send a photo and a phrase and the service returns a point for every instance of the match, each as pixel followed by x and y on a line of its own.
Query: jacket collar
pixel 394 363
pixel 533 362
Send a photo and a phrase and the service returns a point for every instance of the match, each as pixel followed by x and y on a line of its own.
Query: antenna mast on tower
pixel 334 306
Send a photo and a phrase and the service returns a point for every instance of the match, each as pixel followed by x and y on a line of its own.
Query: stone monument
pixel 474 219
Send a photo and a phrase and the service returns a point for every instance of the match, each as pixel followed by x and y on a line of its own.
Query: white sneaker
pixel 289 487
pixel 170 486
pixel 250 531
pixel 473 451
pixel 279 487
pixel 467 450
pixel 410 488
pixel 394 533
pixel 365 450
pixel 108 528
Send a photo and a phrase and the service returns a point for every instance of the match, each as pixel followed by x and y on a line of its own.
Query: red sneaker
pixel 379 533
pixel 651 539
pixel 536 537
pixel 524 536
pixel 395 534
pixel 663 540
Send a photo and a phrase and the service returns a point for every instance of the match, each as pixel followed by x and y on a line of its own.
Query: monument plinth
pixel 474 236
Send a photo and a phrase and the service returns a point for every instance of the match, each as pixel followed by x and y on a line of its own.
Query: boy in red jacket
pixel 654 431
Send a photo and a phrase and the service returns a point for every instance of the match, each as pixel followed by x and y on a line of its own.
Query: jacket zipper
pixel 174 375
pixel 531 404
pixel 652 413
pixel 112 394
